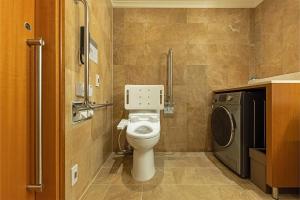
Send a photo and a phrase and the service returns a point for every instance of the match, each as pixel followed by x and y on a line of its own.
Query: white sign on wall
pixel 93 51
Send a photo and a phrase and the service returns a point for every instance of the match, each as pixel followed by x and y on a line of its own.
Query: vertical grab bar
pixel 169 109
pixel 170 78
pixel 86 51
pixel 38 186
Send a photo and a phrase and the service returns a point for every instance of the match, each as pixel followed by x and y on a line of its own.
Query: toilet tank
pixel 144 97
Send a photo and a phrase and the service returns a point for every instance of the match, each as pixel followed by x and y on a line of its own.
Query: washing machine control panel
pixel 227 98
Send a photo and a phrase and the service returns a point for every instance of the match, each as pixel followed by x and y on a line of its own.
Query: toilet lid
pixel 143 129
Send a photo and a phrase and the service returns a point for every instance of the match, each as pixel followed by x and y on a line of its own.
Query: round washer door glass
pixel 222 126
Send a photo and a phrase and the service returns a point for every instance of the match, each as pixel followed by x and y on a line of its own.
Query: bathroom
pixel 77 115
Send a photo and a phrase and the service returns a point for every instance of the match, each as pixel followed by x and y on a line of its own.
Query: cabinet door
pixel 283 135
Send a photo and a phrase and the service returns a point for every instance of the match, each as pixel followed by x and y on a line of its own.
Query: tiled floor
pixel 179 176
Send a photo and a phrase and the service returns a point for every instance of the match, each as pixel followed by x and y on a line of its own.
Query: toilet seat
pixel 143 129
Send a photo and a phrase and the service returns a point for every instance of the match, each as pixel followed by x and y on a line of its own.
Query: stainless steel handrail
pixel 38 186
pixel 94 106
pixel 86 104
pixel 170 78
pixel 82 107
pixel 86 50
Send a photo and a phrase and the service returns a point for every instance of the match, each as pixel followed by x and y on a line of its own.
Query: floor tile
pixel 96 192
pixel 162 192
pixel 124 192
pixel 179 192
pixel 179 175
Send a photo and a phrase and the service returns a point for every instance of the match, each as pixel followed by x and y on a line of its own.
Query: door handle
pixel 38 45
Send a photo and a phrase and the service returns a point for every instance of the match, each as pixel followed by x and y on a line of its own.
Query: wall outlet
pixel 74 174
pixel 97 80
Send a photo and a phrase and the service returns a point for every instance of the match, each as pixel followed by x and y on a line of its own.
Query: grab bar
pixel 38 186
pixel 86 105
pixel 95 106
pixel 169 105
pixel 170 77
pixel 86 51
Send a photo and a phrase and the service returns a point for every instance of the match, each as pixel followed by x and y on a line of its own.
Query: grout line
pixel 142 191
pixel 83 195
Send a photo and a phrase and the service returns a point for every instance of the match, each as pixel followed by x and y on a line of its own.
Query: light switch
pixel 97 80
pixel 74 174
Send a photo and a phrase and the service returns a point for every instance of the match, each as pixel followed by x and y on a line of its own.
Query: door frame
pixel 49 24
pixel 62 100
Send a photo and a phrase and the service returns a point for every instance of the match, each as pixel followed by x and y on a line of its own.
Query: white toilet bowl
pixel 143 133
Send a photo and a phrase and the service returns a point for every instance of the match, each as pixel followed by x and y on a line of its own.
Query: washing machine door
pixel 222 125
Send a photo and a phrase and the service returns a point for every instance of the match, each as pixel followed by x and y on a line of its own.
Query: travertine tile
pixel 208 45
pixel 88 143
pixel 123 192
pixel 179 175
pixel 169 16
pixel 219 41
pixel 277 38
pixel 96 192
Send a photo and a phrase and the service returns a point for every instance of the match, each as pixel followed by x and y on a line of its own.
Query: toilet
pixel 144 103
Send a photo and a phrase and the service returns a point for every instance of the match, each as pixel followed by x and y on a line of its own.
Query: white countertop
pixel 256 84
pixel 260 82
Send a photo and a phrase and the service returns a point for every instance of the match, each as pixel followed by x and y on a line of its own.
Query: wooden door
pixel 17 94
pixel 15 68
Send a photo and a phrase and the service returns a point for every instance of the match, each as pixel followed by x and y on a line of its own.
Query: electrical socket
pixel 74 174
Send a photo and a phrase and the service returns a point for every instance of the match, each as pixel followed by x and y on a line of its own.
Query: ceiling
pixel 186 3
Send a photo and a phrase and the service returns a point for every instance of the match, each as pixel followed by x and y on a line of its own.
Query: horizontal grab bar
pixel 82 111
pixel 93 106
pixel 82 107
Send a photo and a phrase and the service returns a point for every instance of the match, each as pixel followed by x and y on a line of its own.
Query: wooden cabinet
pixel 283 135
pixel 282 132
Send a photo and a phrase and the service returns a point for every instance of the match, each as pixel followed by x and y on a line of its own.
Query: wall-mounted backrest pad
pixel 144 97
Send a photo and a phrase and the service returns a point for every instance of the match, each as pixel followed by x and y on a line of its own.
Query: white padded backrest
pixel 144 97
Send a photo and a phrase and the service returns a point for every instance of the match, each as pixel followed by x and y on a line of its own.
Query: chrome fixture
pixel 169 104
pixel 78 107
pixel 86 51
pixel 81 113
pixel 38 186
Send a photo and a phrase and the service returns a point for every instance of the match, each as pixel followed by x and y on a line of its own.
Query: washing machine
pixel 230 129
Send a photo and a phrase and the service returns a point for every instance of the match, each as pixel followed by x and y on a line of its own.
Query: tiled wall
pixel 88 143
pixel 277 38
pixel 212 49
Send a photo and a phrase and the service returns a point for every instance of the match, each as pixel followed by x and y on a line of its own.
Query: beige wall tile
pixel 277 38
pixel 208 45
pixel 88 143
